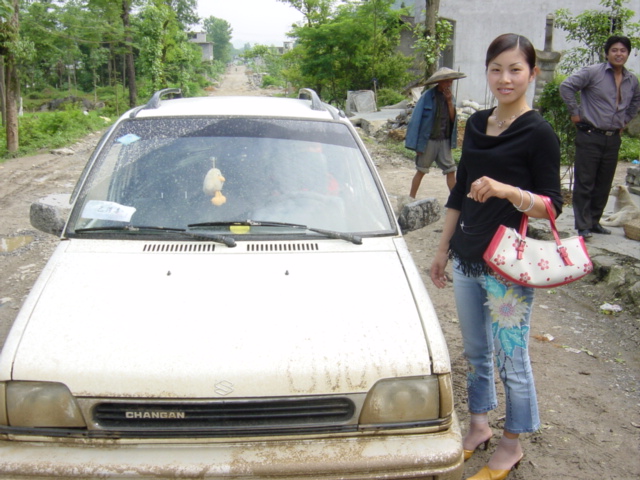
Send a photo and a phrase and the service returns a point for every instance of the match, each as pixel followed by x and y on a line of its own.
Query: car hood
pixel 112 319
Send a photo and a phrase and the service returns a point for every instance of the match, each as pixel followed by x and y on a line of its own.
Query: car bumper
pixel 436 456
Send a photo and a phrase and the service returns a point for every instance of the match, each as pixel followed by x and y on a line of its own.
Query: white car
pixel 232 298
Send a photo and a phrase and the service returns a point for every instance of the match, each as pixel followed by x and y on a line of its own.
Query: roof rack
pixel 309 94
pixel 154 102
pixel 317 104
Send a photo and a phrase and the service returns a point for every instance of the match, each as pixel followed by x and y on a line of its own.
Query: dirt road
pixel 586 363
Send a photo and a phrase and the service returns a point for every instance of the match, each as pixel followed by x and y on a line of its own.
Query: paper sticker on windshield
pixel 101 210
pixel 128 139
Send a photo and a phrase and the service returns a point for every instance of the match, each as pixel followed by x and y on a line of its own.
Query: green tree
pixel 152 40
pixel 166 57
pixel 431 37
pixel 82 45
pixel 37 21
pixel 257 52
pixel 9 47
pixel 185 12
pixel 266 59
pixel 219 32
pixel 120 14
pixel 555 112
pixel 591 28
pixel 315 12
pixel 355 49
pixel 130 69
pixel 6 9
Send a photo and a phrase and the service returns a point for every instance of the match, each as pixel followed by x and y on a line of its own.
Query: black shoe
pixel 597 228
pixel 586 233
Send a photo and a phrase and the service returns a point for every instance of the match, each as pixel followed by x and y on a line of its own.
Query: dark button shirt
pixel 442 122
pixel 598 96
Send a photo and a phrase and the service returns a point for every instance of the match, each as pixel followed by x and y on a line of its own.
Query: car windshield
pixel 231 175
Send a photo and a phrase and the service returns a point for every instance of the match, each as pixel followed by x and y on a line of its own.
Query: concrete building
pixel 286 46
pixel 477 23
pixel 207 47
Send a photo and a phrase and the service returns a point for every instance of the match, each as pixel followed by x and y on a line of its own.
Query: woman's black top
pixel 525 155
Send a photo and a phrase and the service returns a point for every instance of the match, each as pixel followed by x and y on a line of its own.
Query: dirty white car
pixel 231 298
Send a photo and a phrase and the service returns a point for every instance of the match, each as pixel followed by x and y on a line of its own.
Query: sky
pixel 263 22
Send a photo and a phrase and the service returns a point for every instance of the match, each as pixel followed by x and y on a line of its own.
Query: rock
pixel 49 214
pixel 633 293
pixel 63 151
pixel 360 101
pixel 403 105
pixel 632 180
pixel 616 277
pixel 371 126
pixel 398 134
pixel 475 106
pixel 418 214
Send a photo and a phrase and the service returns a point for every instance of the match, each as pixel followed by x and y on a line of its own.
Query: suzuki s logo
pixel 223 388
pixel 155 415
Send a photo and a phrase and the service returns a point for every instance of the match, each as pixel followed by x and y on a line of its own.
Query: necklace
pixel 502 123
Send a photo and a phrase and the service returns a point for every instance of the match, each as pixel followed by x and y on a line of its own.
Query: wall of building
pixel 207 47
pixel 479 22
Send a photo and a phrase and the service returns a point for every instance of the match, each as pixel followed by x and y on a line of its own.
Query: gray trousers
pixel 595 167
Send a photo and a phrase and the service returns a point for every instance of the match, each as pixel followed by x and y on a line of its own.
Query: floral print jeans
pixel 494 318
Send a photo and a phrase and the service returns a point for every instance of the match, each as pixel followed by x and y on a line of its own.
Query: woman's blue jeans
pixel 494 318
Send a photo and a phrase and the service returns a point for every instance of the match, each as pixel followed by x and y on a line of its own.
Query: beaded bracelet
pixel 533 201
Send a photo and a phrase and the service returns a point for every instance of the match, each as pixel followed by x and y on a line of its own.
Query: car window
pixel 172 173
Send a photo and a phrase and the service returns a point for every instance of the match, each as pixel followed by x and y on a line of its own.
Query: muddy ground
pixel 586 363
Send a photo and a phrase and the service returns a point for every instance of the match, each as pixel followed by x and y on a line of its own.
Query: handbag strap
pixel 554 230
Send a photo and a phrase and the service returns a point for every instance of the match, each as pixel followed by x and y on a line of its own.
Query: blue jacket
pixel 419 127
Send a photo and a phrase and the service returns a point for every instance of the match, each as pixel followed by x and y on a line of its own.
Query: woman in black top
pixel 510 156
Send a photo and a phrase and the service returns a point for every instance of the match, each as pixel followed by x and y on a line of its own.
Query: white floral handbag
pixel 537 263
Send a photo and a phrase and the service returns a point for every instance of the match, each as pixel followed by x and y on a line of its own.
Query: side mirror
pixel 49 214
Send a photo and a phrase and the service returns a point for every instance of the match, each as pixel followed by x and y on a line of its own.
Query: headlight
pixel 410 399
pixel 39 404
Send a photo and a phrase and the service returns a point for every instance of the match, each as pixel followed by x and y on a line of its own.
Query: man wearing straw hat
pixel 432 129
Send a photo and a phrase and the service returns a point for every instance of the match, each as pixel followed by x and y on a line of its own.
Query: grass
pixel 630 149
pixel 49 130
pixel 399 149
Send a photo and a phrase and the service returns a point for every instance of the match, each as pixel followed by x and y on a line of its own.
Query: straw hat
pixel 444 73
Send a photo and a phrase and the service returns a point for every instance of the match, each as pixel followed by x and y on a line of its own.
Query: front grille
pixel 225 417
pixel 189 247
pixel 283 247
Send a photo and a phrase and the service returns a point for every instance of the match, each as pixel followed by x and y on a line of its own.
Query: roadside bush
pixel 53 130
pixel 387 96
pixel 555 112
pixel 268 81
pixel 399 149
pixel 630 149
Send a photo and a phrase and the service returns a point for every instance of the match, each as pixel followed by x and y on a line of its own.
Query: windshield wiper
pixel 228 241
pixel 356 239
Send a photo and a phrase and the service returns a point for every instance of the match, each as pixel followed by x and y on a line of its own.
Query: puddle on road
pixel 11 244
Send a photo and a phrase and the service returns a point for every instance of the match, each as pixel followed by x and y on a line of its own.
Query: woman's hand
pixel 484 188
pixel 437 269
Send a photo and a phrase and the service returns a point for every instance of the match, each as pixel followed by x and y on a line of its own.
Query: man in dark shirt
pixel 609 99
